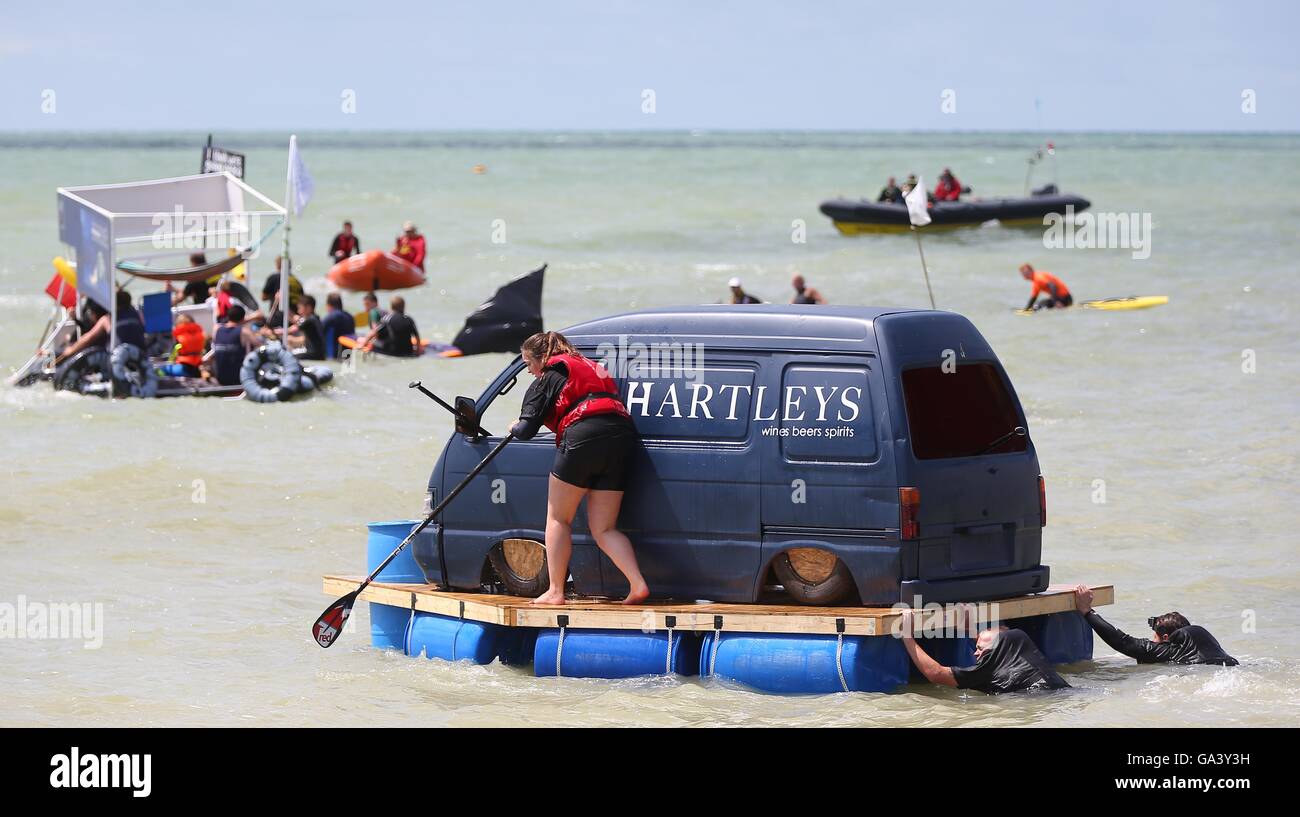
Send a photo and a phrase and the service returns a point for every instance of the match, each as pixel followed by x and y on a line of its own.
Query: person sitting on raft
pixel 395 334
pixel 337 323
pixel 739 295
pixel 410 245
pixel 1058 294
pixel 804 294
pixel 1006 660
pixel 130 328
pixel 948 188
pixel 190 342
pixel 231 341
pixel 1174 640
pixel 372 311
pixel 595 441
pixel 890 193
pixel 196 291
pixel 308 334
pixel 271 293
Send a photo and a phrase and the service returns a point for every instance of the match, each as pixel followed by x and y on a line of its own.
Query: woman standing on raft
pixel 595 440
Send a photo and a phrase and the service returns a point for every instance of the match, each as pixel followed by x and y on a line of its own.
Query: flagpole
pixel 924 271
pixel 288 218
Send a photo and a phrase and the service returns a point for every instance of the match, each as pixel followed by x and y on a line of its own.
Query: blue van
pixel 837 455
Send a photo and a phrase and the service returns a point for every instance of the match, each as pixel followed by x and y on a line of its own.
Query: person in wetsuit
pixel 1174 639
pixel 804 294
pixel 337 323
pixel 739 295
pixel 309 331
pixel 1058 294
pixel 396 334
pixel 1005 661
pixel 595 441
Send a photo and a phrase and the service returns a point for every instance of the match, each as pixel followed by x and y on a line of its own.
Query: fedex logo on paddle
pixel 75 770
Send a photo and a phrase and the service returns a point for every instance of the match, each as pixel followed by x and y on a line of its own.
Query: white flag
pixel 917 211
pixel 300 184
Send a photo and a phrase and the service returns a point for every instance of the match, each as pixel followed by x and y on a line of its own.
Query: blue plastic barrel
pixel 950 652
pixel 388 624
pixel 774 662
pixel 1063 638
pixel 452 639
pixel 614 653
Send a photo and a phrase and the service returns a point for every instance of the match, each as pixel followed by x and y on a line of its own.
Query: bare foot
pixel 637 595
pixel 551 596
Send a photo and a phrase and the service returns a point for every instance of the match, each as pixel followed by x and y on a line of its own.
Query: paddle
pixel 330 624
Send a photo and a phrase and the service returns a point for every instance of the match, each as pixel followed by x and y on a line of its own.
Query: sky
pixel 658 64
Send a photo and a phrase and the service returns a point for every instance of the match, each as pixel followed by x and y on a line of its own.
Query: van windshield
pixel 964 412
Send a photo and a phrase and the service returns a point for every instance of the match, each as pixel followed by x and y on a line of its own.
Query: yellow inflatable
pixel 66 271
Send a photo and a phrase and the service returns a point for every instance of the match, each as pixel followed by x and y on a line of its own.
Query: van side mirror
pixel 467 417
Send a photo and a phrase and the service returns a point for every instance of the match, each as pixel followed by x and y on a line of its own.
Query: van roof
pixel 785 326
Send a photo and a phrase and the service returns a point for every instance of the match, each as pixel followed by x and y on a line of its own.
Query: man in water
pixel 396 334
pixel 804 294
pixel 890 193
pixel 373 313
pixel 345 244
pixel 308 334
pixel 1174 640
pixel 337 324
pixel 739 295
pixel 1044 282
pixel 1005 661
pixel 948 188
pixel 410 245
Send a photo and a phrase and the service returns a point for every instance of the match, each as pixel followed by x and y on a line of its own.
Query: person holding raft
pixel 1006 660
pixel 595 440
pixel 1174 639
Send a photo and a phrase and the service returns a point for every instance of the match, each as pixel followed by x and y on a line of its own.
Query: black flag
pixel 505 320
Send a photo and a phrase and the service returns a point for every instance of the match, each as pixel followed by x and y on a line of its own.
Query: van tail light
pixel 909 513
pixel 1042 502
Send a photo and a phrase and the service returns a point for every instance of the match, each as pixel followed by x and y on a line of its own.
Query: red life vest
pixel 588 391
pixel 189 337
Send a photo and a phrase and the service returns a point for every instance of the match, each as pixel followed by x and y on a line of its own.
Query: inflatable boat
pixel 375 270
pixel 854 217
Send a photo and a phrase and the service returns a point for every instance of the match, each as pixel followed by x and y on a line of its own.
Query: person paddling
pixel 595 441
pixel 1044 282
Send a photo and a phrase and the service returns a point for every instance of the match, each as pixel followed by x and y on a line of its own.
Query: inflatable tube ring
pixel 133 374
pixel 270 374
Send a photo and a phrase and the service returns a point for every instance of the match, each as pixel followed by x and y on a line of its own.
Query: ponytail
pixel 544 345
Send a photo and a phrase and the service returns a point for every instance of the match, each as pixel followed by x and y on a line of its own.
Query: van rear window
pixel 960 413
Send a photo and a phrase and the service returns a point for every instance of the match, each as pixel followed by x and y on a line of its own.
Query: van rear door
pixel 956 419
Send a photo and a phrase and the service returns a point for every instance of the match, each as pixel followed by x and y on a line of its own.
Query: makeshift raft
pixel 774 648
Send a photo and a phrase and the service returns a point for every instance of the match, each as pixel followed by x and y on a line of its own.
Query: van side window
pixel 960 413
pixel 825 414
pixel 503 407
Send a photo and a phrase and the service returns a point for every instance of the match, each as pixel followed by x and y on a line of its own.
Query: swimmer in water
pixel 1174 640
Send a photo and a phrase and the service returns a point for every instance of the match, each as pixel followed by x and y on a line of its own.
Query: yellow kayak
pixel 1131 302
pixel 1111 304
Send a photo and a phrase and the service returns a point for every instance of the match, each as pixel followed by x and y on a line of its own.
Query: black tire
pixel 814 577
pixel 90 371
pixel 516 563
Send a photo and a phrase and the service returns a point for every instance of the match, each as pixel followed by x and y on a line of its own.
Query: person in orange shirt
pixel 1044 282
pixel 410 245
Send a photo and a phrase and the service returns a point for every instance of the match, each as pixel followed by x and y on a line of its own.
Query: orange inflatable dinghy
pixel 375 270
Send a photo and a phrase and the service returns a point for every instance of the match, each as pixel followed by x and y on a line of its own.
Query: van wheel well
pixel 814 576
pixel 520 566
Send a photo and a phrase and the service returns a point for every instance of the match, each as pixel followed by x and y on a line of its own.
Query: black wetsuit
pixel 1189 645
pixel 890 195
pixel 313 336
pixel 397 336
pixel 595 451
pixel 1014 664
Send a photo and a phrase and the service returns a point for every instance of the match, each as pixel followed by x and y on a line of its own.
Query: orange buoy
pixel 375 270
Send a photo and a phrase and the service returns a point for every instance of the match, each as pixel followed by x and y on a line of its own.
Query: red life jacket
pixel 588 391
pixel 189 337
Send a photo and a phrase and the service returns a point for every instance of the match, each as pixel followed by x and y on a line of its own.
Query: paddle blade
pixel 330 624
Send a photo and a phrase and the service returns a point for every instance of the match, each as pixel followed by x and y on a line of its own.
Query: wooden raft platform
pixel 516 611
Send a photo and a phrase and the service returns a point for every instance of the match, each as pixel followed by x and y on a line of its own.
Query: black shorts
pixel 597 458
